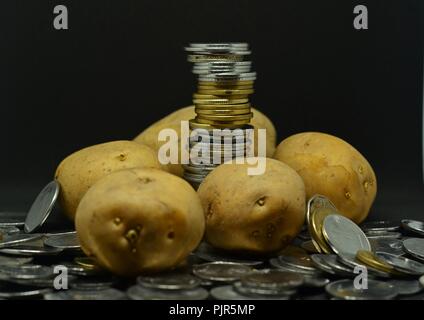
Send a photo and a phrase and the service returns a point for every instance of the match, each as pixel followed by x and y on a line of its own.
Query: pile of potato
pixel 134 215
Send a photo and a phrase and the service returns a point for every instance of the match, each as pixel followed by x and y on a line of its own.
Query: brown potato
pixel 79 171
pixel 139 220
pixel 253 213
pixel 331 167
pixel 149 136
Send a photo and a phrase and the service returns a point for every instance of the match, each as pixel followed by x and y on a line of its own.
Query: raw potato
pixel 79 171
pixel 331 167
pixel 140 220
pixel 256 213
pixel 149 136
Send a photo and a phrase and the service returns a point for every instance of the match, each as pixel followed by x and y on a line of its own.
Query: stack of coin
pixel 225 82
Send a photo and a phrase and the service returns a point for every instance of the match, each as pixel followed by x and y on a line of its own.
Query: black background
pixel 121 66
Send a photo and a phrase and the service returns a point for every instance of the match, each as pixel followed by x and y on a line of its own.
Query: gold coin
pixel 225 83
pixel 372 260
pixel 86 262
pixel 315 229
pixel 223 124
pixel 231 87
pixel 220 101
pixel 222 111
pixel 223 106
pixel 211 96
pixel 225 118
pixel 226 92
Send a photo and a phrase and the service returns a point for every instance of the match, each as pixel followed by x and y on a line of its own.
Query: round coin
pixel 319 261
pixel 74 294
pixel 413 226
pixel 402 264
pixel 13 261
pixel 14 239
pixel 415 247
pixel 272 279
pixel 19 292
pixel 63 241
pixel 138 292
pixel 406 287
pixel 383 225
pixel 169 281
pixel 206 252
pixel 221 271
pixel 389 245
pixel 25 271
pixel 11 222
pixel 229 293
pixel 376 290
pixel 28 250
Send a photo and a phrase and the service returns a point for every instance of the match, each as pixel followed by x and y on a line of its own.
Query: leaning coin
pixel 42 207
pixel 383 225
pixel 19 292
pixel 415 247
pixel 141 293
pixel 169 281
pixel 221 271
pixel 272 279
pixel 63 241
pixel 13 261
pixel 18 238
pixel 73 294
pixel 406 287
pixel 336 229
pixel 27 250
pixel 376 290
pixel 414 226
pixel 229 293
pixel 25 271
pixel 402 264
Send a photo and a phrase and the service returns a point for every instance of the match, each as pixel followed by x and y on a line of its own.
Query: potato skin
pixel 80 170
pixel 332 167
pixel 149 136
pixel 257 213
pixel 139 220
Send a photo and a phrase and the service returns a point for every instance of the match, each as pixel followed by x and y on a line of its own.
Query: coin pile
pixel 225 81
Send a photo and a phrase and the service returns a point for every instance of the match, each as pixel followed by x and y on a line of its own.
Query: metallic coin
pixel 138 292
pixel 402 264
pixel 339 268
pixel 196 125
pixel 63 241
pixel 28 250
pixel 258 291
pixel 229 293
pixel 272 279
pixel 226 91
pixel 17 291
pixel 42 207
pixel 319 261
pixel 376 290
pixel 301 262
pixel 415 247
pixel 13 261
pixel 10 222
pixel 278 264
pixel 316 282
pixel 14 239
pixel 372 268
pixel 406 287
pixel 79 270
pixel 169 281
pixel 87 263
pixel 93 283
pixel 392 246
pixel 207 58
pixel 383 234
pixel 372 260
pixel 224 118
pixel 219 102
pixel 421 280
pixel 222 112
pixel 208 253
pixel 74 294
pixel 221 271
pixel 413 226
pixel 25 271
pixel 8 230
pixel 344 236
pixel 380 226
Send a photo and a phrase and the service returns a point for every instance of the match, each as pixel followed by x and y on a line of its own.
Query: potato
pixel 139 220
pixel 253 213
pixel 79 171
pixel 331 167
pixel 149 136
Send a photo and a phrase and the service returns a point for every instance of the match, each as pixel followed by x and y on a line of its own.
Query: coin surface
pixel 18 238
pixel 229 293
pixel 221 271
pixel 13 261
pixel 138 292
pixel 25 271
pixel 42 207
pixel 262 291
pixel 11 222
pixel 392 246
pixel 319 261
pixel 376 290
pixel 28 250
pixel 406 287
pixel 344 236
pixel 414 226
pixel 402 264
pixel 382 225
pixel 169 281
pixel 301 262
pixel 371 259
pixel 18 291
pixel 272 279
pixel 383 234
pixel 415 247
pixel 74 294
pixel 63 241
pixel 206 252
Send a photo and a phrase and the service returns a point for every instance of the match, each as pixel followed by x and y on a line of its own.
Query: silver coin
pixel 63 241
pixel 19 238
pixel 402 264
pixel 169 281
pixel 383 234
pixel 319 261
pixel 302 262
pixel 413 226
pixel 10 222
pixel 40 282
pixel 415 247
pixel 208 253
pixel 28 250
pixel 221 271
pixel 344 236
pixel 376 290
pixel 25 271
pixel 16 292
pixel 316 282
pixel 406 287
pixel 93 283
pixel 351 262
pixel 72 232
pixel 73 294
pixel 13 261
pixel 339 268
pixel 42 207
pixel 141 293
pixel 392 246
pixel 278 264
pixel 383 225
pixel 229 293
pixel 259 291
pixel 9 230
pixel 272 279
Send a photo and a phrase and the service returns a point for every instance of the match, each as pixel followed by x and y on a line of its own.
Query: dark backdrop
pixel 121 66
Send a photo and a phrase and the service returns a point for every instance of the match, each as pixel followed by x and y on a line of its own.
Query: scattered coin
pixel 25 271
pixel 13 261
pixel 141 293
pixel 11 222
pixel 383 234
pixel 316 282
pixel 272 279
pixel 27 250
pixel 261 291
pixel 206 252
pixel 169 281
pixel 19 292
pixel 42 207
pixel 229 293
pixel 300 262
pixel 221 271
pixel 93 283
pixel 415 247
pixel 392 246
pixel 402 264
pixel 406 287
pixel 376 290
pixel 413 226
pixel 319 261
pixel 19 238
pixel 9 230
pixel 74 294
pixel 63 241
pixel 384 225
pixel 338 268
